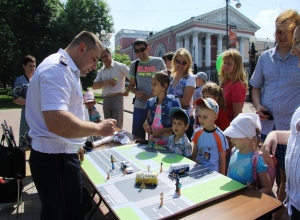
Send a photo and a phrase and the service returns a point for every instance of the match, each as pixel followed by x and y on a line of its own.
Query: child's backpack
pixel 271 169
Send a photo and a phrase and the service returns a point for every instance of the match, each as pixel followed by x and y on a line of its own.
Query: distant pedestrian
pixel 19 97
pixel 201 79
pixel 167 57
pixel 111 78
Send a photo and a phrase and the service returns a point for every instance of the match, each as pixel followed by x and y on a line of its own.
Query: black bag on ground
pixel 9 191
pixel 12 162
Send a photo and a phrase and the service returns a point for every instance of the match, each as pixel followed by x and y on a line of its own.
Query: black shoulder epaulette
pixel 63 60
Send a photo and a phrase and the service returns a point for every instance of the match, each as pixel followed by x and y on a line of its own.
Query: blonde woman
pixel 233 81
pixel 183 83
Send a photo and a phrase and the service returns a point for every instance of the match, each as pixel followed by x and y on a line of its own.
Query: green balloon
pixel 219 63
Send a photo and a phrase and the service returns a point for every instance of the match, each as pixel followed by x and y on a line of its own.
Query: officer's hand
pixel 107 127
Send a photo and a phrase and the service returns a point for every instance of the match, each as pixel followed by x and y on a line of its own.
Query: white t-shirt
pixel 54 86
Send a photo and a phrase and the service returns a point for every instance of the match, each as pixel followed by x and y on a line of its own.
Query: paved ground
pixel 31 206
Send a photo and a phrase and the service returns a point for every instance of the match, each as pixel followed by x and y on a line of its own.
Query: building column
pixel 187 42
pixel 207 49
pixel 178 42
pixel 219 44
pixel 195 47
pixel 242 47
pixel 200 50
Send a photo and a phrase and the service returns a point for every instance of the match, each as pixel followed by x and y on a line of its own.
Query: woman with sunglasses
pixel 183 84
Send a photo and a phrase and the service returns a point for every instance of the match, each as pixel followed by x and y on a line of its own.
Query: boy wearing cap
pixel 179 142
pixel 201 79
pixel 209 143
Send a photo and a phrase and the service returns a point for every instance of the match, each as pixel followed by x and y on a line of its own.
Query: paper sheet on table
pixel 117 137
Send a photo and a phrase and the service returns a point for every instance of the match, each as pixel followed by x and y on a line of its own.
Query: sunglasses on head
pixel 142 49
pixel 180 62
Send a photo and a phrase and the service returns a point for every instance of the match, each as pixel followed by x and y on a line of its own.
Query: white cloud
pixel 267 17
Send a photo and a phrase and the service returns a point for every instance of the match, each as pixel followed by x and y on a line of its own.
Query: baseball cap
pixel 244 125
pixel 202 75
pixel 178 109
pixel 89 96
pixel 210 103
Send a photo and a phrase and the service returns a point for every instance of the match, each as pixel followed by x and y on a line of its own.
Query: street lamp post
pixel 238 5
pixel 104 38
pixel 253 59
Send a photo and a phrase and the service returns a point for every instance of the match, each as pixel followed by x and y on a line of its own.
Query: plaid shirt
pixel 182 146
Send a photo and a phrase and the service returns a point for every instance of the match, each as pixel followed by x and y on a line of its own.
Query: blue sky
pixel 155 15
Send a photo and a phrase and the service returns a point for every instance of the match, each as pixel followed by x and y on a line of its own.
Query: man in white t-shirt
pixel 111 78
pixel 55 115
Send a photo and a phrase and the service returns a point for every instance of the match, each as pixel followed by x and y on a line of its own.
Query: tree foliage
pixel 41 27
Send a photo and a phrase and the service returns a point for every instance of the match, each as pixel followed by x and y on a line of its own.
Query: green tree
pixel 122 58
pixel 26 29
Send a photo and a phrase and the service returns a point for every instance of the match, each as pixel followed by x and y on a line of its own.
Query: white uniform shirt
pixel 116 70
pixel 54 86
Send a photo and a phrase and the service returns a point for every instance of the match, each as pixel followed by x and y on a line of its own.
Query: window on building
pixel 152 45
pixel 170 39
pixel 267 47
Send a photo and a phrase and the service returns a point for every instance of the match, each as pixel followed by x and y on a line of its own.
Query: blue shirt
pixel 280 82
pixel 208 149
pixel 240 167
pixel 182 146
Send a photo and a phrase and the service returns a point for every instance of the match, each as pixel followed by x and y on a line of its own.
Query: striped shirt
pixel 280 82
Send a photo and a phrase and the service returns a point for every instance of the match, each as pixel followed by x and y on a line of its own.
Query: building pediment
pixel 218 17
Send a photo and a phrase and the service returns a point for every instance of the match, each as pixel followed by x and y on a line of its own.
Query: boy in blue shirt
pixel 179 142
pixel 209 143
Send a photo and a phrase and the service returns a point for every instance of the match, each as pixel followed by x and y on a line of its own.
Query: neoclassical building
pixel 204 36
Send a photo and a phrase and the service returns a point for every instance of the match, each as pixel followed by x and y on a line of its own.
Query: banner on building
pixel 232 36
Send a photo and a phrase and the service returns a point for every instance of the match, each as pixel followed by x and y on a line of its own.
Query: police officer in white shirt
pixel 111 78
pixel 55 114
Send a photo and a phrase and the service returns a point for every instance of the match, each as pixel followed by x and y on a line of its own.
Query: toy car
pixel 148 176
pixel 126 165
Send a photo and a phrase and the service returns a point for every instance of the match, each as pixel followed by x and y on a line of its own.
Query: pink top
pixel 233 93
pixel 162 140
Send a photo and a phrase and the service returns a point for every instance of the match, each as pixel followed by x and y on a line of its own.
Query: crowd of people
pixel 176 109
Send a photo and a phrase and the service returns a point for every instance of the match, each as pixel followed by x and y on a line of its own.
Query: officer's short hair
pixel 90 39
pixel 140 41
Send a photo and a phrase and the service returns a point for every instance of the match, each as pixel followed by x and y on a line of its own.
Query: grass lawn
pixel 6 101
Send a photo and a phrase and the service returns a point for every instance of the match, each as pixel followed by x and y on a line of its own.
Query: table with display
pixel 203 193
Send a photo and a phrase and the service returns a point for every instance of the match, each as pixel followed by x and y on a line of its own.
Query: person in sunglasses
pixel 140 83
pixel 183 84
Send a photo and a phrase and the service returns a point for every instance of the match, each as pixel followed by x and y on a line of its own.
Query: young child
pixel 179 142
pixel 212 90
pixel 242 131
pixel 201 79
pixel 158 124
pixel 290 138
pixel 209 143
pixel 89 101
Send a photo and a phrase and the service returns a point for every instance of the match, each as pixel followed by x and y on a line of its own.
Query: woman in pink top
pixel 233 81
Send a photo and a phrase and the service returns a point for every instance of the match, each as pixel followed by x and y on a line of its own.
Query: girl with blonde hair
pixel 234 83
